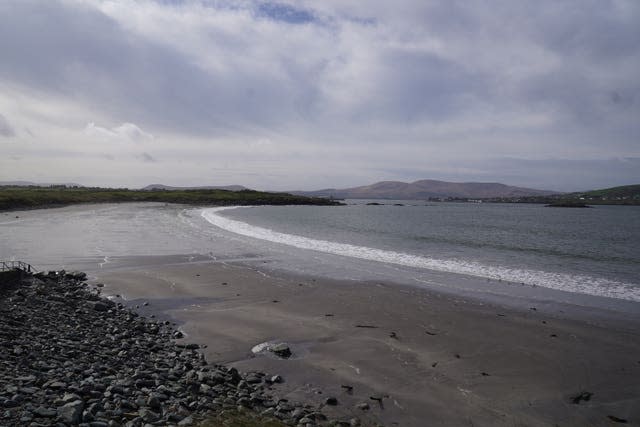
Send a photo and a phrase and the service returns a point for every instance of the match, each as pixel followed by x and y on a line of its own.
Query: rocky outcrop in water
pixel 70 357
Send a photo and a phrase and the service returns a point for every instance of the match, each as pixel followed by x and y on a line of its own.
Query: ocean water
pixel 494 249
pixel 589 251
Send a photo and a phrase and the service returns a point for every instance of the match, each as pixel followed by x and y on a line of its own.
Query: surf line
pixel 559 281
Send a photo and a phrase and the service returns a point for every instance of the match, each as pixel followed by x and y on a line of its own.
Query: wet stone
pixel 77 358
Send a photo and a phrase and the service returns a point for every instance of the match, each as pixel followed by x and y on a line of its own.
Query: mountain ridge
pixel 152 187
pixel 427 188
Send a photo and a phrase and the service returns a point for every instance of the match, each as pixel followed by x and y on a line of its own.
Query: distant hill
pixel 21 197
pixel 169 188
pixel 624 195
pixel 625 192
pixel 426 188
pixel 36 184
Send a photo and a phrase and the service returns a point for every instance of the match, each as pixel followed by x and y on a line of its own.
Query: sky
pixel 314 94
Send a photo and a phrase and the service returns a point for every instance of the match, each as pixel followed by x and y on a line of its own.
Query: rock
pixel 10 403
pixel 41 411
pixel 70 397
pixel 76 275
pixel 57 385
pixel 100 306
pixel 148 416
pixel 582 396
pixel 71 413
pixel 186 422
pixel 154 403
pixel 281 350
pixel 331 401
pixel 86 360
pixel 364 406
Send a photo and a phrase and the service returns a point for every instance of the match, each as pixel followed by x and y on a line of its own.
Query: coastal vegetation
pixel 623 195
pixel 15 197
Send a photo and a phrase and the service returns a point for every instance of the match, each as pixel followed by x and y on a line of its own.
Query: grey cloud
pixel 146 157
pixel 414 86
pixel 528 80
pixel 80 53
pixel 284 12
pixel 6 129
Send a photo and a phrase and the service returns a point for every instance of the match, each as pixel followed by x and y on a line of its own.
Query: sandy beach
pixel 425 358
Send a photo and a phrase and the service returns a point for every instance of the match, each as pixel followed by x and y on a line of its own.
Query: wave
pixel 560 281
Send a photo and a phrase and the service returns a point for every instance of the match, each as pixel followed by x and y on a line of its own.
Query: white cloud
pixel 124 132
pixel 290 90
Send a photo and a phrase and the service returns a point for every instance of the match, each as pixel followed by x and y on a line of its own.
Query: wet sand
pixel 431 358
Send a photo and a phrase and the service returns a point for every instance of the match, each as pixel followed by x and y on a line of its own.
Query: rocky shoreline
pixel 72 357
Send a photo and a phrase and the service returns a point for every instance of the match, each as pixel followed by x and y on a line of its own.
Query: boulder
pixel 281 350
pixel 71 413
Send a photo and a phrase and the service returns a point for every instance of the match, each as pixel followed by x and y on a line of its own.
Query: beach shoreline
pixel 424 356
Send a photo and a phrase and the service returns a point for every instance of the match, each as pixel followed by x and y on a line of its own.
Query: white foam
pixel 561 281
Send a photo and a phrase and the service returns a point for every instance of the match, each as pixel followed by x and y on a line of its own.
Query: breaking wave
pixel 560 281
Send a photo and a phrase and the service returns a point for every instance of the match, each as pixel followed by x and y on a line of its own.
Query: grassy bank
pixel 13 198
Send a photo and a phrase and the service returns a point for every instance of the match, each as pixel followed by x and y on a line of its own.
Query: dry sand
pixel 434 359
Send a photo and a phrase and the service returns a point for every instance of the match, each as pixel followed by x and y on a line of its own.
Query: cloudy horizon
pixel 306 95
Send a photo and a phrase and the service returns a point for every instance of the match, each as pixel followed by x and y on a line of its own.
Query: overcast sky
pixel 313 94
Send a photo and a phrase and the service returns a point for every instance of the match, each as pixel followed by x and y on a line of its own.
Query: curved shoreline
pixel 414 348
pixel 599 287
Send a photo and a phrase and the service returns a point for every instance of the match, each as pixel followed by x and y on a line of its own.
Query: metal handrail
pixel 15 265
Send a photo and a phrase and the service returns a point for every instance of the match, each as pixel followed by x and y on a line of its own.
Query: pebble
pixel 71 357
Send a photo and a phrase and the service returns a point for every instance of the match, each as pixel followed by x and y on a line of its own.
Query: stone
pixel 582 396
pixel 154 403
pixel 71 413
pixel 41 411
pixel 148 416
pixel 186 421
pixel 70 397
pixel 76 275
pixel 281 350
pixel 100 306
pixel 10 403
pixel 84 362
pixel 332 401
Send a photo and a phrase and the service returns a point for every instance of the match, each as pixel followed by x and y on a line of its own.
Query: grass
pixel 12 198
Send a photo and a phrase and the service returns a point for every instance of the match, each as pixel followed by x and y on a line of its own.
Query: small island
pixel 568 204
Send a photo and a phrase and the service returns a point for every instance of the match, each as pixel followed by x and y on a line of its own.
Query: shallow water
pixel 513 251
pixel 591 251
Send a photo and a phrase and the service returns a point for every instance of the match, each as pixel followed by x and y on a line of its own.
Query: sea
pixel 511 251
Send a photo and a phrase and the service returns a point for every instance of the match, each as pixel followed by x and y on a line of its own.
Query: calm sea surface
pixel 581 251
pixel 594 251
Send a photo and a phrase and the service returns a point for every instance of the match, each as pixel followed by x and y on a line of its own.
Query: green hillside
pixel 12 198
pixel 625 192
